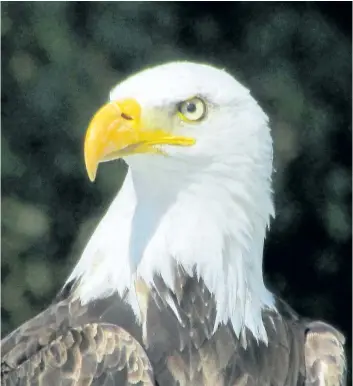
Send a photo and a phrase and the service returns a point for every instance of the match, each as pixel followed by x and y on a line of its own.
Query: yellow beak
pixel 116 130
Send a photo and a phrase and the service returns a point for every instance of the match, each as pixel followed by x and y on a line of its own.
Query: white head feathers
pixel 205 207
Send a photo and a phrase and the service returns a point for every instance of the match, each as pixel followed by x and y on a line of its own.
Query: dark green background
pixel 60 60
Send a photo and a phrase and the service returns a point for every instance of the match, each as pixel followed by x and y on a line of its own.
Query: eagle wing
pixel 49 350
pixel 325 359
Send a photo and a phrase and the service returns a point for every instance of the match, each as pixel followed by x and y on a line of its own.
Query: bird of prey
pixel 169 289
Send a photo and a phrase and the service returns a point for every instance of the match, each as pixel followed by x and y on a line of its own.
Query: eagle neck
pixel 214 230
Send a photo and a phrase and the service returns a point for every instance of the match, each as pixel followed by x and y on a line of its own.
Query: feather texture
pixel 169 290
pixel 84 345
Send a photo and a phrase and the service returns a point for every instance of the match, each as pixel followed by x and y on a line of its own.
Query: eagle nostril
pixel 127 117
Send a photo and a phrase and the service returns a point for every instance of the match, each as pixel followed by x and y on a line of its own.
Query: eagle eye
pixel 192 110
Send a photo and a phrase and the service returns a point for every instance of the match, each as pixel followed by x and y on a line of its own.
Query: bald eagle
pixel 169 289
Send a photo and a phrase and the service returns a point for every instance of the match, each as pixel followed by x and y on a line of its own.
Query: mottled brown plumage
pixel 58 348
pixel 101 344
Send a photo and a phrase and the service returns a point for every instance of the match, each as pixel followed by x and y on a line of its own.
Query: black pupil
pixel 190 107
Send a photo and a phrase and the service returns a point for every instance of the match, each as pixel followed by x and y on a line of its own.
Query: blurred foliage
pixel 60 60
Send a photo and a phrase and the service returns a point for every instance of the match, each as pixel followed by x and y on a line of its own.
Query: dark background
pixel 60 60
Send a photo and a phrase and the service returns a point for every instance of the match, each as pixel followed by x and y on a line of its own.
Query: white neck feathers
pixel 214 226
